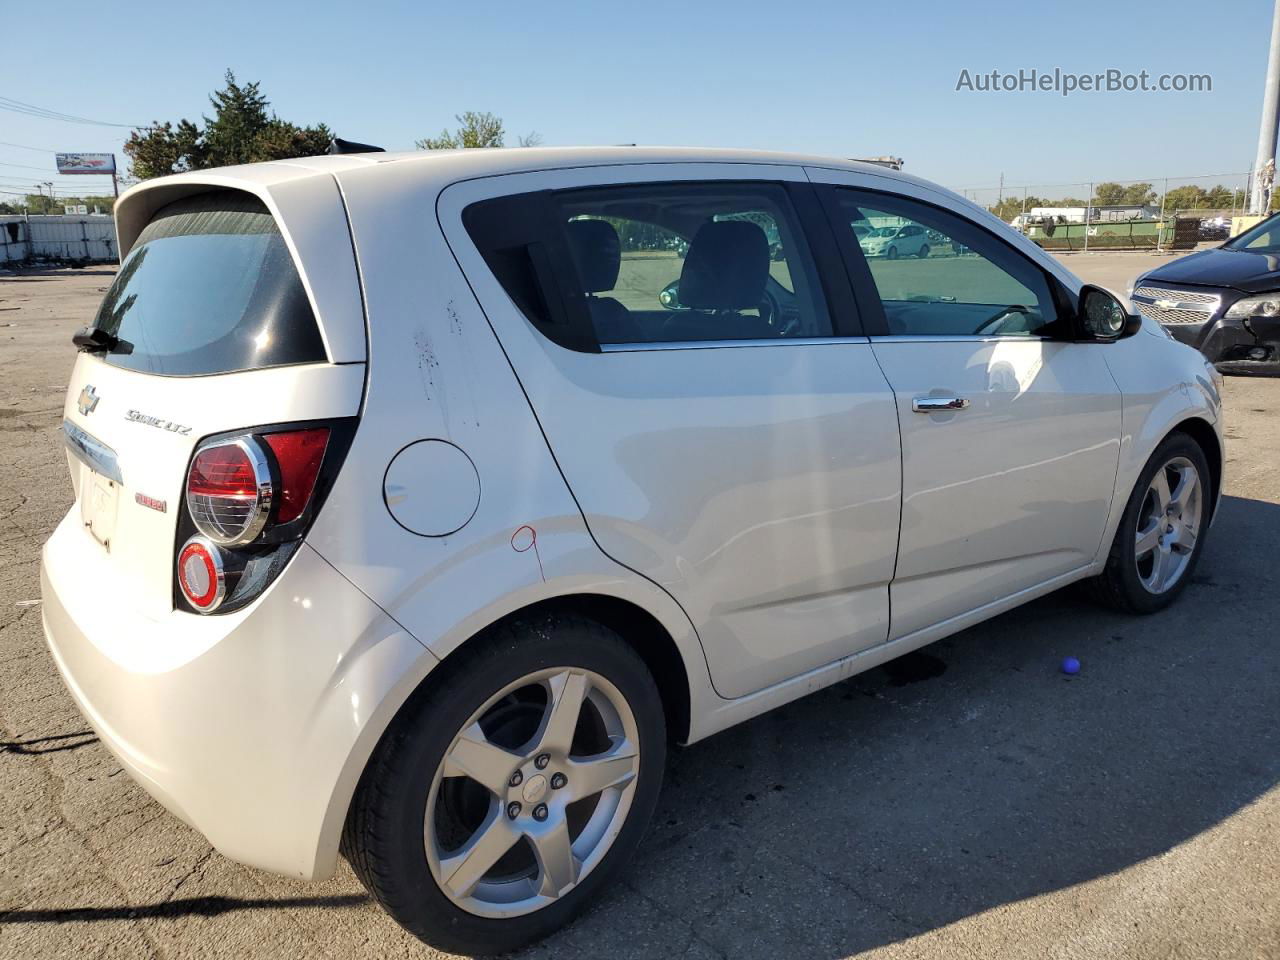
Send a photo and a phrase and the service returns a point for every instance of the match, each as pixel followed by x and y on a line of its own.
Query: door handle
pixel 938 404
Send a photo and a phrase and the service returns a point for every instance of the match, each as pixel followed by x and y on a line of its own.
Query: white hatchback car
pixel 410 523
pixel 905 240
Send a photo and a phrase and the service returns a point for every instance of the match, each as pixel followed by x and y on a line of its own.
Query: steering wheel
pixel 996 321
pixel 769 309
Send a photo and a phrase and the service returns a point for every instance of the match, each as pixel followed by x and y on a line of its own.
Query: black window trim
pixel 571 323
pixel 868 295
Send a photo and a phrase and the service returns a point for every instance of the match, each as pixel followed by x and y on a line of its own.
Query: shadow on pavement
pixel 973 775
pixel 36 745
pixel 174 909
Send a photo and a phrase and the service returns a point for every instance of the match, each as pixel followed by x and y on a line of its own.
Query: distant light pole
pixel 1264 165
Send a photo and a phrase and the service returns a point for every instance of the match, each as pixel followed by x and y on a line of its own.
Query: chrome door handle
pixel 938 404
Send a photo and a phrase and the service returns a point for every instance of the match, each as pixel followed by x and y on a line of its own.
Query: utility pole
pixel 1088 210
pixel 1264 165
pixel 1160 226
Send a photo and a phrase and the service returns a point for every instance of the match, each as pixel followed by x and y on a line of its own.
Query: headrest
pixel 726 266
pixel 596 252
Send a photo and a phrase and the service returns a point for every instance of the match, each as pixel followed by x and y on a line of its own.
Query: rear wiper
pixel 97 340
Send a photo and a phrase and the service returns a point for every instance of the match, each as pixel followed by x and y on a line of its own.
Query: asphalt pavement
pixel 966 801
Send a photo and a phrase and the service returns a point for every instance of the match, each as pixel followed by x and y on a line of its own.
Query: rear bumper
pixel 252 727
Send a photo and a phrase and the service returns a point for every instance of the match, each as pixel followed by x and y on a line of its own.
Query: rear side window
pixel 650 263
pixel 689 262
pixel 210 287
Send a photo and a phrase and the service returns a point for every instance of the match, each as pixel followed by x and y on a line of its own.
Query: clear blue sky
pixel 842 78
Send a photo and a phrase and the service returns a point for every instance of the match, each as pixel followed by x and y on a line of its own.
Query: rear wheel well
pixel 639 629
pixel 1202 432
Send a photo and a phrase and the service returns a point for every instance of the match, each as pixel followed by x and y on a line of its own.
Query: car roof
pixel 439 168
pixel 451 165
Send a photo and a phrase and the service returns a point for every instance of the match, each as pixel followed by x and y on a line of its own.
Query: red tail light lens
pixel 229 491
pixel 200 574
pixel 298 454
pixel 250 497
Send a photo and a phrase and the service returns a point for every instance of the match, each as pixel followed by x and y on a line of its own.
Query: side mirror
pixel 1101 316
pixel 669 297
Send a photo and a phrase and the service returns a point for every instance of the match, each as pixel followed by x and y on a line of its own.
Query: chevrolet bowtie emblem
pixel 88 400
pixel 1167 304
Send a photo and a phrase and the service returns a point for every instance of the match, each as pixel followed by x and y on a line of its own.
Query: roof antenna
pixel 337 145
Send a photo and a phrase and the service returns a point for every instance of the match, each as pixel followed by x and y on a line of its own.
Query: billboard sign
pixel 99 163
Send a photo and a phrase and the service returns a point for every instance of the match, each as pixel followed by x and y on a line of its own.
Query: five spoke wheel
pixel 1169 525
pixel 532 792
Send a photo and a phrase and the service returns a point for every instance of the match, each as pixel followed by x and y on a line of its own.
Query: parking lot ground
pixel 968 801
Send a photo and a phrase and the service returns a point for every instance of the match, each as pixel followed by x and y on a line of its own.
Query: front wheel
pixel 923 252
pixel 512 787
pixel 1162 532
pixel 892 254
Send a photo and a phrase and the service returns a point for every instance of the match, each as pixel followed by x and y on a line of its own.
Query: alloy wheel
pixel 1169 525
pixel 532 792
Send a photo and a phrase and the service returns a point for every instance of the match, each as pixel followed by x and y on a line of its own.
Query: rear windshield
pixel 210 287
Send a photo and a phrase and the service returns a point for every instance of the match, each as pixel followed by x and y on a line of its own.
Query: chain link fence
pixel 1112 213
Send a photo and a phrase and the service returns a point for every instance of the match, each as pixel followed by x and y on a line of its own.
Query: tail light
pixel 298 454
pixel 229 491
pixel 250 498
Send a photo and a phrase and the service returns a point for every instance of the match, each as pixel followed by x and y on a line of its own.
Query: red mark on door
pixel 526 538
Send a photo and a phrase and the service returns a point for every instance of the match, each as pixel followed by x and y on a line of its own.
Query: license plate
pixel 98 506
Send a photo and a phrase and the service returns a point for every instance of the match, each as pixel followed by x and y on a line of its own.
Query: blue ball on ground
pixel 1070 666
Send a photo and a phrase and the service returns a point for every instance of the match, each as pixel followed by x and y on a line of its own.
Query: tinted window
pixel 210 287
pixel 938 275
pixel 691 262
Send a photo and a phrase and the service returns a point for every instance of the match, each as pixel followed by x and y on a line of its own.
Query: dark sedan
pixel 1224 301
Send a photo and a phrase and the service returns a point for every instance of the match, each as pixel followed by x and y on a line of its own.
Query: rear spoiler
pixel 338 145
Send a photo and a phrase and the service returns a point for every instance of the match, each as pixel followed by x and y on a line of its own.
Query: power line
pixel 44 113
pixel 23 146
pixel 26 166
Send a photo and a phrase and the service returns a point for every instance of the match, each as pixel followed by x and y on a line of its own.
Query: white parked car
pixel 906 240
pixel 410 523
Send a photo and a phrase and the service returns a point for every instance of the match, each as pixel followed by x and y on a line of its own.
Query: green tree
pixel 1108 194
pixel 240 116
pixel 1138 193
pixel 165 148
pixel 36 203
pixel 242 130
pixel 280 140
pixel 1185 198
pixel 475 130
pixel 1009 207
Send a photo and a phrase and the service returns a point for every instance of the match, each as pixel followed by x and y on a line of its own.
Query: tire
pixel 892 253
pixel 405 808
pixel 1128 582
pixel 923 251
